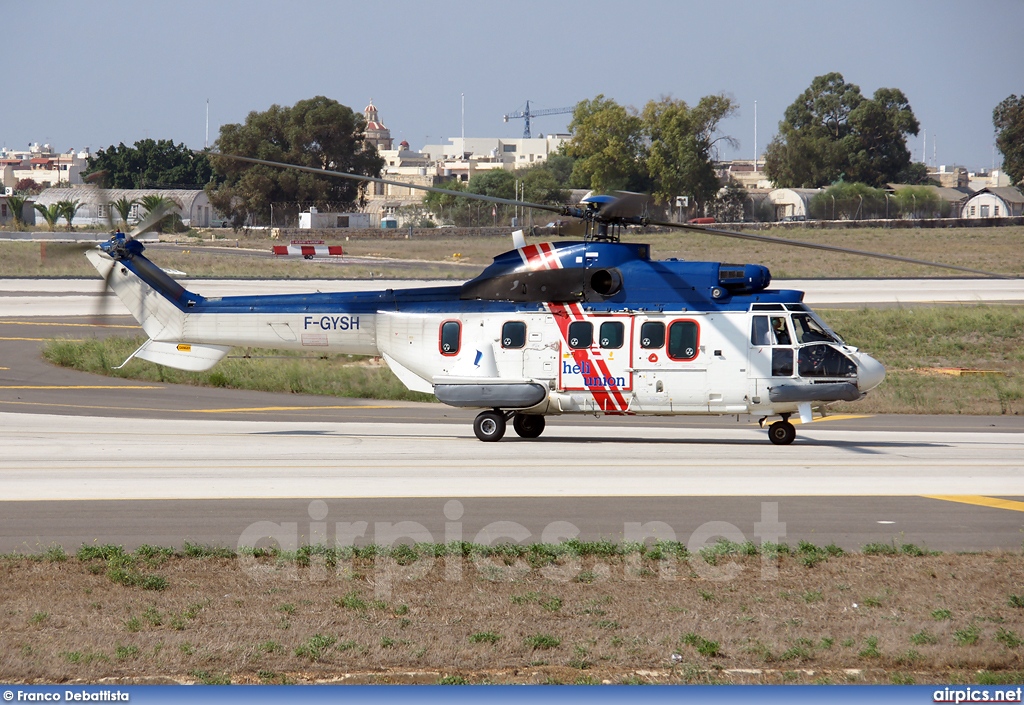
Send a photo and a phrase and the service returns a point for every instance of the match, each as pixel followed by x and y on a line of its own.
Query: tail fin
pixel 160 305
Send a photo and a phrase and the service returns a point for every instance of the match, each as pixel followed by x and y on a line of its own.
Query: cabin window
pixel 782 362
pixel 451 337
pixel 652 335
pixel 513 334
pixel 683 340
pixel 581 334
pixel 612 335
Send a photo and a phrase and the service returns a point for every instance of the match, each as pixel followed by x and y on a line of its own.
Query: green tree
pixel 832 132
pixel 727 206
pixel 153 203
pixel 319 133
pixel 1008 118
pixel 541 185
pixel 17 207
pixel 560 166
pixel 496 182
pixel 878 153
pixel 919 202
pixel 682 145
pixel 849 201
pixel 148 164
pixel 67 209
pixel 443 205
pixel 50 214
pixel 123 208
pixel 915 173
pixel 609 146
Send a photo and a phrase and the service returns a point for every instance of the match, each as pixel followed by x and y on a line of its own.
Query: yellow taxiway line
pixel 80 386
pixel 65 325
pixel 980 501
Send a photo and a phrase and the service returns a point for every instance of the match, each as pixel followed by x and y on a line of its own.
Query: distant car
pixel 794 218
pixel 701 221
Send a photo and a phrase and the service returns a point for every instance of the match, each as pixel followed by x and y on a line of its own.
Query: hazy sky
pixel 98 73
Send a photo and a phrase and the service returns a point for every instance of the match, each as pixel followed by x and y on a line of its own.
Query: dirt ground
pixel 453 619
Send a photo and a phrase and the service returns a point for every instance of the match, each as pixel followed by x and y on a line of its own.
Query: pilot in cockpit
pixel 780 331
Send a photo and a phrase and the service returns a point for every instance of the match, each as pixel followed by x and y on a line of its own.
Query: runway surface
pixel 88 458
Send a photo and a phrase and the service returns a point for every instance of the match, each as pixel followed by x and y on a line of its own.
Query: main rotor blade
pixel 151 220
pixel 378 180
pixel 627 204
pixel 826 248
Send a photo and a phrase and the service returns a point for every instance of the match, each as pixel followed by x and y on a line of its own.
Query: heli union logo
pixel 589 378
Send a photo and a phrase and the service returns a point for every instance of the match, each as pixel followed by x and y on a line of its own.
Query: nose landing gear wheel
pixel 489 426
pixel 528 425
pixel 782 433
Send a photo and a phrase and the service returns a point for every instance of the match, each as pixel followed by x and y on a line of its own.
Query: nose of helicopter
pixel 870 372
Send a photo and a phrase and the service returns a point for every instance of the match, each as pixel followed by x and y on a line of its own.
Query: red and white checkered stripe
pixel 611 401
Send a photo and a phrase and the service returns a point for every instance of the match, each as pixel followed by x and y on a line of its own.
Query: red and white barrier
pixel 309 251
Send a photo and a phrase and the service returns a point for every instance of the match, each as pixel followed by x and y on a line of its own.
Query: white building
pixel 315 220
pixel 44 166
pixel 462 158
pixel 1004 202
pixel 192 205
pixel 792 203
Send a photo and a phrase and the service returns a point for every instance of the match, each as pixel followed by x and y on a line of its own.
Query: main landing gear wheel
pixel 528 425
pixel 782 433
pixel 489 426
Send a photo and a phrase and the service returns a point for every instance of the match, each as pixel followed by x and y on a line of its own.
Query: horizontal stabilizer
pixel 182 356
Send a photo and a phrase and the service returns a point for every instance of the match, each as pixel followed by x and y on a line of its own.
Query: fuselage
pixel 569 327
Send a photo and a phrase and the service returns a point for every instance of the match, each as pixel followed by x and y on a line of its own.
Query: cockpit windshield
pixel 811 329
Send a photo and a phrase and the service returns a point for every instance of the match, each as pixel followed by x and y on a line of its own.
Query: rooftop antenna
pixel 206 144
pixel 755 135
pixel 463 123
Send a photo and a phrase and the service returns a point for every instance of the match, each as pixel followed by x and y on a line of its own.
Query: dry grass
pixel 461 254
pixel 859 618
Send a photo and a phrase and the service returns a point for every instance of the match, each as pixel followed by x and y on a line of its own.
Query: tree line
pixel 830 136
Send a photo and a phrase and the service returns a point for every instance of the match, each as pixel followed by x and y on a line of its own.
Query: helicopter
pixel 592 326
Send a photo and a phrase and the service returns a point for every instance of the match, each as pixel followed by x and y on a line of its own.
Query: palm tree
pixel 17 206
pixel 124 206
pixel 154 203
pixel 67 210
pixel 50 214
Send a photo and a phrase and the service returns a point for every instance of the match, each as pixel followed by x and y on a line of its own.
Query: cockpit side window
pixel 771 330
pixel 781 331
pixel 759 331
pixel 810 329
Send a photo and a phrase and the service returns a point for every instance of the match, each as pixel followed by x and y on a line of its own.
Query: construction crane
pixel 526 114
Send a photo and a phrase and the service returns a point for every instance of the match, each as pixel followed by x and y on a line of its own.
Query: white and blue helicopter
pixel 592 326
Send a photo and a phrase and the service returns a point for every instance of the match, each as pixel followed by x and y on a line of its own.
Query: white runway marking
pixel 64 458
